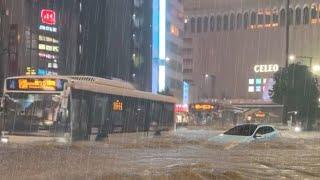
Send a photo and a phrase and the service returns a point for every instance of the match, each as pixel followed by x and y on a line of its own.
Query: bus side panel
pixel 79 116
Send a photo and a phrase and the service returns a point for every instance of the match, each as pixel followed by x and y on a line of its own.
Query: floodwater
pixel 185 154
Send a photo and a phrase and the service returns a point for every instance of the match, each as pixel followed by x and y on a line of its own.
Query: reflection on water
pixel 137 156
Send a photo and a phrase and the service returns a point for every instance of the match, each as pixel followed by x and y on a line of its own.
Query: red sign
pixel 260 114
pixel 181 108
pixel 48 16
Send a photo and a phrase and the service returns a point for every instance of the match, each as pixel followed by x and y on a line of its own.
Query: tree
pixel 299 86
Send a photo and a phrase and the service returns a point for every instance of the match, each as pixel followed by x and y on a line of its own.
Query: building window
pixel 314 14
pixel 275 18
pixel 232 21
pixel 282 17
pixel 225 22
pixel 268 18
pixel 305 19
pixel 290 16
pixel 193 25
pixel 239 21
pixel 219 23
pixel 187 62
pixel 199 25
pixel 260 18
pixel 246 20
pixel 205 24
pixel 298 16
pixel 187 71
pixel 174 30
pixel 212 23
pixel 186 23
pixel 253 19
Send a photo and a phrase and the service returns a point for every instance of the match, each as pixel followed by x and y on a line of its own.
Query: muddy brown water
pixel 169 157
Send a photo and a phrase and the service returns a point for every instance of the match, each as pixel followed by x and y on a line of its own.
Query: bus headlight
pixel 4 140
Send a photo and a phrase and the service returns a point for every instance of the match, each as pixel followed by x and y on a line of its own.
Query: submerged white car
pixel 247 133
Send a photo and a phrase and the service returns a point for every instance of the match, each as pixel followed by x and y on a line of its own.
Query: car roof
pixel 257 124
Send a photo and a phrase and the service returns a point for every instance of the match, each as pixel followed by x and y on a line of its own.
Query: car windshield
pixel 242 130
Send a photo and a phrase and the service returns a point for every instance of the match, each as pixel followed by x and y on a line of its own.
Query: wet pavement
pixel 184 154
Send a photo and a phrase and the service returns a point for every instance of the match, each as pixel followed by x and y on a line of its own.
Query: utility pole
pixel 287 36
pixel 287 32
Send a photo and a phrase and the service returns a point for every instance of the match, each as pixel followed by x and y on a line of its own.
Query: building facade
pixel 167 35
pixel 137 41
pixel 33 37
pixel 232 48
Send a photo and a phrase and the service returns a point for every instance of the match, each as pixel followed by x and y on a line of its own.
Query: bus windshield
pixel 32 114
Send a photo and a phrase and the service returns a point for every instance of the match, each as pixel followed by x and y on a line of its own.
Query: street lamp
pixel 316 68
pixel 292 58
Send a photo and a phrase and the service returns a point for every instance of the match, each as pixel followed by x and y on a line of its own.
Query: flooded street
pixel 184 154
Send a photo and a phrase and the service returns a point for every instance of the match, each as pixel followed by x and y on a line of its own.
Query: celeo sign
pixel 266 68
pixel 48 16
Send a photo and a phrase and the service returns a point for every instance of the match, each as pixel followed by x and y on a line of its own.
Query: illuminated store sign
pixel 266 68
pixel 260 114
pixel 48 39
pixel 48 28
pixel 202 107
pixel 31 71
pixel 261 85
pixel 181 108
pixel 48 48
pixel 42 72
pixel 47 56
pixel 48 17
pixel 186 88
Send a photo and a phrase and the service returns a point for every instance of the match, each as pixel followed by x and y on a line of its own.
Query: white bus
pixel 78 108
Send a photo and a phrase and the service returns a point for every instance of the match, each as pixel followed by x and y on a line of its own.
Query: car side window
pixel 269 129
pixel 264 130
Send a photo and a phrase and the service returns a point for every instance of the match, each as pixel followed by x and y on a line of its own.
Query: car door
pixel 261 134
pixel 270 133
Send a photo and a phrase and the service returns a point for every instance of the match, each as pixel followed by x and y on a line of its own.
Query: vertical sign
pixel 158 45
pixel 13 50
pixel 186 88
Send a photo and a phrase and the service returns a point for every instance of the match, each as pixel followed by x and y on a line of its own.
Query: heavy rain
pixel 159 89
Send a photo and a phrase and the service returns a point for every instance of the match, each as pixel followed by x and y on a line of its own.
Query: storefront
pixel 182 114
pixel 203 113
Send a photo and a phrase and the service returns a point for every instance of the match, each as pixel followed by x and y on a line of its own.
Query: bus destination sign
pixel 28 84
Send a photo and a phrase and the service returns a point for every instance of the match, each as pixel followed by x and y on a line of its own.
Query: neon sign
pixel 48 17
pixel 47 56
pixel 181 108
pixel 260 114
pixel 203 107
pixel 48 28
